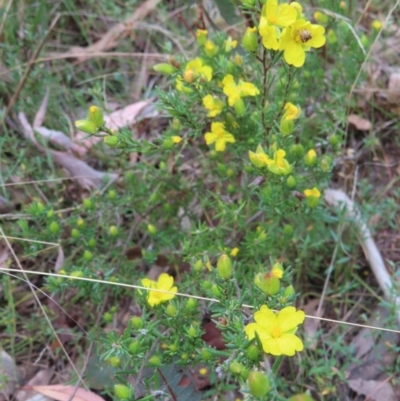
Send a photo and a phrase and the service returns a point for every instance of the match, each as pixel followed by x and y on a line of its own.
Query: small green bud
pixel 310 159
pixel 291 182
pixel 205 354
pixel 75 234
pixel 171 310
pixel 288 229
pixel 96 116
pixel 184 356
pixel 112 194
pixel 207 285
pixel 87 204
pixel 164 68
pixel 122 392
pixel 326 163
pixel 108 317
pixel 163 166
pixel 224 267
pixel 77 273
pixel 80 223
pixel 114 361
pixel 92 243
pixel 287 127
pixel 111 140
pixel 258 383
pixel 231 189
pixel 54 227
pixel 86 126
pixel 198 265
pixel 312 201
pixel 240 107
pixel 301 397
pixel 236 367
pixel 192 331
pixel 168 143
pixel 137 322
pixel 253 353
pixel 250 40
pixel 230 172
pixel 221 168
pixel 151 229
pixel 134 347
pixel 334 140
pixel 113 230
pixel 88 256
pixel 297 150
pixel 155 361
pixel 289 291
pixel 331 38
pixel 50 214
pixel 267 283
pixel 215 290
pixel 191 304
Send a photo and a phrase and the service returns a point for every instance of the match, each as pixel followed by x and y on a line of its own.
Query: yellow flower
pixel 230 44
pixel 377 25
pixel 176 139
pixel 234 252
pixel 276 331
pixel 312 192
pixel 213 104
pixel 194 70
pixel 219 136
pixel 201 36
pixel 164 283
pixel 210 48
pixel 272 17
pixel 298 38
pixel 292 112
pixel 280 165
pixel 259 159
pixel 277 270
pixel 237 91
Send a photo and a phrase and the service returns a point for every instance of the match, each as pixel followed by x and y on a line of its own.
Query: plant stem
pixel 277 364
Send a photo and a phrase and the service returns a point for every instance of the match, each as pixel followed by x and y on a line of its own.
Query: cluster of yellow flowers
pixel 283 27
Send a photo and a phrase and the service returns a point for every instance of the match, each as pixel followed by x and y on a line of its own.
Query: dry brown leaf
pixel 64 393
pixel 373 390
pixel 41 378
pixel 394 87
pixel 311 326
pixel 86 176
pixel 59 138
pixel 60 260
pixel 111 38
pixel 41 113
pixel 360 123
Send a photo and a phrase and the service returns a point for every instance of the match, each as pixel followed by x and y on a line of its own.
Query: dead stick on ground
pixel 29 68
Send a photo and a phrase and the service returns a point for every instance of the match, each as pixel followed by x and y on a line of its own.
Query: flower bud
pixel 289 291
pixel 236 367
pixel 250 40
pixel 191 304
pixel 114 361
pixel 201 36
pixel 50 214
pixel 171 310
pixel 155 361
pixel 224 267
pixel 267 283
pixel 286 127
pixel 240 107
pixel 134 347
pixel 231 189
pixel 198 265
pixel 122 392
pixel 206 354
pixel 310 159
pixel 312 201
pixel 192 331
pixel 168 143
pixel 291 182
pixel 238 60
pixel 207 285
pixel 258 383
pixel 301 397
pixel 253 353
pixel 215 290
pixel 297 150
pixel 151 229
pixel 113 230
pixel 108 317
pixel 86 126
pixel 288 230
pixel 334 140
pixel 164 68
pixel 189 76
pixel 331 37
pixel 75 234
pixel 326 163
pixel 96 116
pixel 77 273
pixel 321 17
pixel 88 256
pixel 137 322
pixel 54 227
pixel 111 140
pixel 92 243
pixel 176 124
pixel 210 48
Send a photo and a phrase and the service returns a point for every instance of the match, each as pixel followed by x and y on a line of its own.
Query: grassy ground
pixel 64 50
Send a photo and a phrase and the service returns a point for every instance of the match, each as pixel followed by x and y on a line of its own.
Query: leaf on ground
pixel 63 393
pixel 394 87
pixel 41 113
pixel 41 378
pixel 8 374
pixel 311 326
pixel 373 390
pixel 360 123
pixel 60 139
pixel 86 176
pixel 112 37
